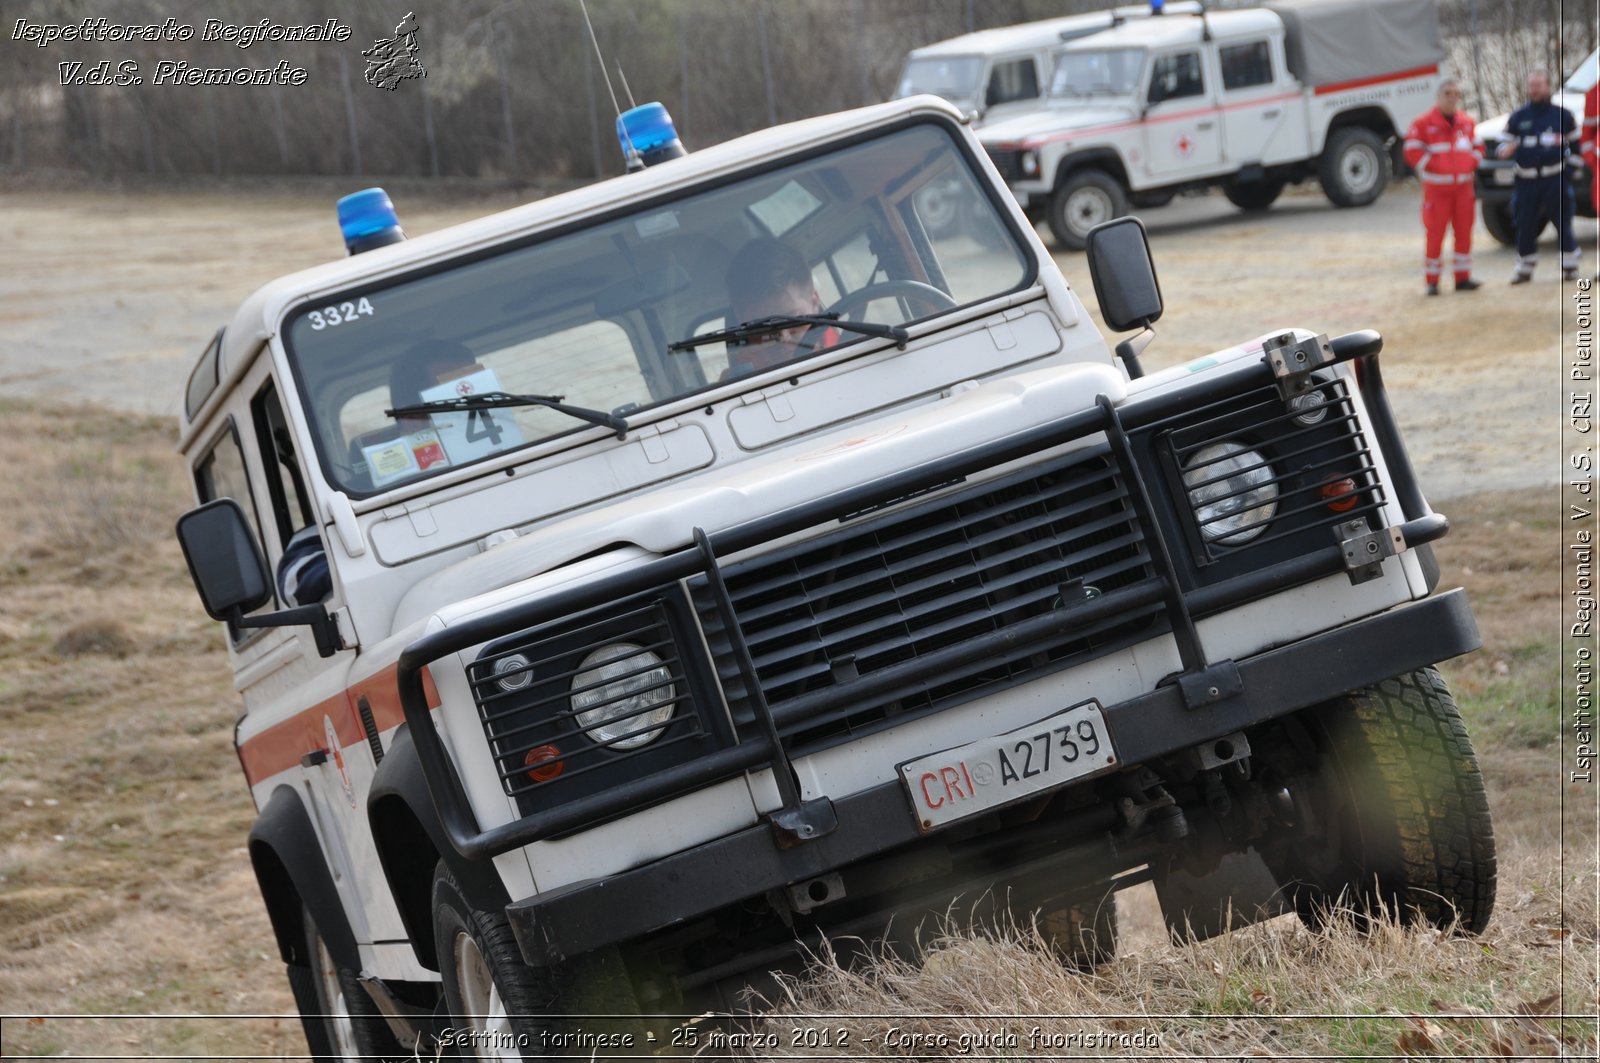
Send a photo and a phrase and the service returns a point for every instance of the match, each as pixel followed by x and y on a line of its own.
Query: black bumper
pixel 1493 193
pixel 586 916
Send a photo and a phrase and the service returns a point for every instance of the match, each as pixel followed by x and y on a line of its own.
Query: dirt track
pixel 108 297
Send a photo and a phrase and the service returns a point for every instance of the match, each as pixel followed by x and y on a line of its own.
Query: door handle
pixel 1271 114
pixel 1205 125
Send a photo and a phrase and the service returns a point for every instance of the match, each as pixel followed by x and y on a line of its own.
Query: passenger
pixel 303 577
pixel 768 278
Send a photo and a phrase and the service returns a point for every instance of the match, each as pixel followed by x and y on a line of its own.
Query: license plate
pixel 1504 176
pixel 991 772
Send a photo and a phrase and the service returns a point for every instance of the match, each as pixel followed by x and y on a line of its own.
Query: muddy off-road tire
pixel 1390 818
pixel 491 991
pixel 1083 933
pixel 1085 199
pixel 1354 167
pixel 349 1025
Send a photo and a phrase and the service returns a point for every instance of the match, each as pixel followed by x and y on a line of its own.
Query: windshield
pixel 1583 78
pixel 955 77
pixel 1106 71
pixel 596 318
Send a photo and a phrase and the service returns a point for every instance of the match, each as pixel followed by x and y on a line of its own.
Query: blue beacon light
pixel 368 220
pixel 647 134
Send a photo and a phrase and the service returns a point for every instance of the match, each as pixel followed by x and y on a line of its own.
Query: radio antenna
pixel 634 161
pixel 625 89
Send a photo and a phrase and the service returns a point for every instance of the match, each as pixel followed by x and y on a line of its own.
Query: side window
pixel 1016 80
pixel 221 474
pixel 1246 65
pixel 300 570
pixel 1175 77
pixel 290 500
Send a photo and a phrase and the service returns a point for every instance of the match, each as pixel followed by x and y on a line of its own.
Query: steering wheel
pixel 861 297
pixel 893 289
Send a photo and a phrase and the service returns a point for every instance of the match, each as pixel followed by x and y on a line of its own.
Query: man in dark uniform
pixel 1540 136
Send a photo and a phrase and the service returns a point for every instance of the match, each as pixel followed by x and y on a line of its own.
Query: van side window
pixel 1176 76
pixel 1246 65
pixel 1016 80
pixel 221 474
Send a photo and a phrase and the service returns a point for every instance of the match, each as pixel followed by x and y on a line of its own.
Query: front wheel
pixel 1497 218
pixel 1385 807
pixel 1082 932
pixel 503 1009
pixel 1354 167
pixel 1085 199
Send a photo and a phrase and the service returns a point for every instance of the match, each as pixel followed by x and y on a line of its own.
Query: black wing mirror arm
pixel 324 629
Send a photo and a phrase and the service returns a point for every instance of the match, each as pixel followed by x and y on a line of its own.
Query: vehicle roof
pixel 257 316
pixel 1025 36
pixel 1173 29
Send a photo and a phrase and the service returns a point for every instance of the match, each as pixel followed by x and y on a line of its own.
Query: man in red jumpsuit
pixel 1591 140
pixel 1440 147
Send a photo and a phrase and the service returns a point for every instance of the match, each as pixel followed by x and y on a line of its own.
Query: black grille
pixel 1008 161
pixel 540 712
pixel 908 584
pixel 1319 474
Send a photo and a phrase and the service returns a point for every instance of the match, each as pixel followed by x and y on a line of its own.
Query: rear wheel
pixel 1387 809
pixel 1253 195
pixel 349 1024
pixel 1354 167
pixel 1085 199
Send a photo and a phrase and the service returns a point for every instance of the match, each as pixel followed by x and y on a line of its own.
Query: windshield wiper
pixel 763 325
pixel 496 400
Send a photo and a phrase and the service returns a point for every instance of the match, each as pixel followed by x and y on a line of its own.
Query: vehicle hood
pixel 1052 121
pixel 660 521
pixel 1496 126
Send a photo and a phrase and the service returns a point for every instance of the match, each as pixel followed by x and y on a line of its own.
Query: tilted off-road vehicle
pixel 642 662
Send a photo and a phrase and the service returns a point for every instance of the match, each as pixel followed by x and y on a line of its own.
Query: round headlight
pixel 1030 163
pixel 1233 492
pixel 1309 407
pixel 514 672
pixel 620 690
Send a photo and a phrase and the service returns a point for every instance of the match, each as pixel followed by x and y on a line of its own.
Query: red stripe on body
pixel 1361 83
pixel 280 747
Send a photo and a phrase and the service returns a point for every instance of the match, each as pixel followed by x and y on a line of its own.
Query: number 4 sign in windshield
pixel 472 434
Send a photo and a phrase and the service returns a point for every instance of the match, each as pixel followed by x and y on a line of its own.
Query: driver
pixel 768 278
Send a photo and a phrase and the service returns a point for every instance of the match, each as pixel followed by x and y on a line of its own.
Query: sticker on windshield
pixel 412 453
pixel 472 434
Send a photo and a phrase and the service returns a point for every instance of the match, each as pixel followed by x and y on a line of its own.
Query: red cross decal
pixel 464 388
pixel 1184 144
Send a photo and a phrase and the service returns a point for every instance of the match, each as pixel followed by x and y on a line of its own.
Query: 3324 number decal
pixel 337 314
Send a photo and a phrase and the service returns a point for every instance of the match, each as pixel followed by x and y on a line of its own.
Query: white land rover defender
pixel 641 662
pixel 1250 100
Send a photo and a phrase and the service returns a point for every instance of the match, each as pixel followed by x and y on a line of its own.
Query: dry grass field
pixel 125 890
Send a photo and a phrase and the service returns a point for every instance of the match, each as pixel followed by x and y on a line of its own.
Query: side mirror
pixel 224 560
pixel 231 576
pixel 1125 284
pixel 1124 276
